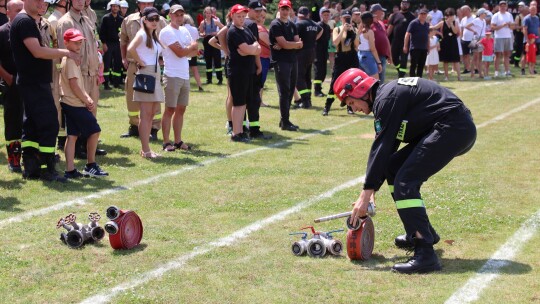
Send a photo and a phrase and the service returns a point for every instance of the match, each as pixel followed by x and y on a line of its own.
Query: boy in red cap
pixel 530 49
pixel 78 106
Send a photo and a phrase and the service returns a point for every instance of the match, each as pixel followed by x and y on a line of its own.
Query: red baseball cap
pixel 73 34
pixel 531 36
pixel 237 8
pixel 283 3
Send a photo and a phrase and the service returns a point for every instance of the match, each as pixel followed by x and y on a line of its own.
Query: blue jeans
pixel 382 74
pixel 265 63
pixel 367 62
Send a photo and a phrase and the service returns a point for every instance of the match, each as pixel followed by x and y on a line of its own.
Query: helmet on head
pixel 353 82
pixel 112 2
pixel 124 3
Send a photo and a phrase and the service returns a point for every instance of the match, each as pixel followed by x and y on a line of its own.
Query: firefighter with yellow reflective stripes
pixel 212 56
pixel 435 125
pixel 108 33
pixel 397 28
pixel 130 26
pixel 309 32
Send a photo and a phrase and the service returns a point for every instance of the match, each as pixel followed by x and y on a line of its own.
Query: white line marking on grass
pixel 232 238
pixel 504 115
pixel 501 258
pixel 103 193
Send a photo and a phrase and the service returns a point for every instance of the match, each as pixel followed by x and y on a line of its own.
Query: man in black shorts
pixel 34 75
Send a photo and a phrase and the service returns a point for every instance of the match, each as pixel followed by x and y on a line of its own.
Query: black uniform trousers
pixel 305 63
pixel 286 74
pixel 343 62
pixel 319 69
pixel 40 124
pixel 518 47
pixel 13 114
pixel 412 165
pixel 418 62
pixel 112 63
pixel 253 105
pixel 212 57
pixel 399 58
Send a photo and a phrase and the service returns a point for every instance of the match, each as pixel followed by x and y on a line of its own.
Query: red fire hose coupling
pixel 125 228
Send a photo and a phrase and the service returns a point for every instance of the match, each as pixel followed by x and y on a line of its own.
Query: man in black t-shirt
pixel 34 75
pixel 3 16
pixel 397 26
pixel 243 48
pixel 108 34
pixel 321 53
pixel 13 106
pixel 284 42
pixel 309 32
pixel 417 43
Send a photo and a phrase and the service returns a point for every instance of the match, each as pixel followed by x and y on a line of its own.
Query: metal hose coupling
pixel 125 228
pixel 299 247
pixel 77 234
pixel 333 246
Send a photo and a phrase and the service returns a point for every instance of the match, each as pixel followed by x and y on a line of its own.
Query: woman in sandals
pixel 145 49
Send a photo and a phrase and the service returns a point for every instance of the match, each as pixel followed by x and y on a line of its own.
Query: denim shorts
pixel 367 62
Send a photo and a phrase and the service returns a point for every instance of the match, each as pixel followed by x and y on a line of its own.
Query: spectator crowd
pixel 55 59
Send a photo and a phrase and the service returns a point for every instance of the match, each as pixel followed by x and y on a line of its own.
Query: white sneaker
pixel 496 74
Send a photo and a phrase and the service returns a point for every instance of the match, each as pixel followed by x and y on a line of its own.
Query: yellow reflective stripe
pixel 29 144
pixel 46 149
pixel 44 166
pixel 304 91
pixel 402 130
pixel 209 70
pixel 331 96
pixel 158 116
pixel 397 66
pixel 116 74
pixel 403 70
pixel 218 70
pixel 244 123
pixel 62 132
pixel 106 73
pixel 314 9
pixel 317 81
pixel 254 124
pixel 410 203
pixel 133 114
pixel 391 188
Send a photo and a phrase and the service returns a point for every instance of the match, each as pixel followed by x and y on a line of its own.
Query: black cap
pixel 304 11
pixel 325 10
pixel 355 10
pixel 150 12
pixel 345 13
pixel 423 11
pixel 255 4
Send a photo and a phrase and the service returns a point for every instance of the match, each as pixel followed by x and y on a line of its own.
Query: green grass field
pixel 209 231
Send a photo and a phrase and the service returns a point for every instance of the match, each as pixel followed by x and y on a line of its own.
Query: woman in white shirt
pixel 367 53
pixel 145 49
pixel 478 28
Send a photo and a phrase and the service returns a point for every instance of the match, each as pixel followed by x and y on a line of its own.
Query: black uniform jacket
pixel 405 110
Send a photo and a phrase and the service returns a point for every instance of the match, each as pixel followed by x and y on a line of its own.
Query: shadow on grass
pixel 8 204
pixel 449 266
pixel 137 248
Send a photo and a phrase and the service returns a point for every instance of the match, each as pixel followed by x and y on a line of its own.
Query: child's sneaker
pixel 496 74
pixel 94 170
pixel 73 174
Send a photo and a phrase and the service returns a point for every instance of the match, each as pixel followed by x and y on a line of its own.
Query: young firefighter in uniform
pixel 346 41
pixel 436 126
pixel 108 33
pixel 309 32
pixel 321 53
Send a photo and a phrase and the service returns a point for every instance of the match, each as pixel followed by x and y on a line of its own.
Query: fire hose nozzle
pixel 113 213
pixel 111 227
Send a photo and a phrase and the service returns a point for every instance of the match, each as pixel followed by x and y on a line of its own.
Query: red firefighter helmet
pixel 353 82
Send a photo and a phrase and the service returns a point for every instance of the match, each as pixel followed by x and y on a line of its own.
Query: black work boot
pixel 14 156
pixel 286 125
pixel 403 242
pixel 153 134
pixel 133 131
pixel 50 174
pixel 31 164
pixel 106 86
pixel 208 77
pixel 424 260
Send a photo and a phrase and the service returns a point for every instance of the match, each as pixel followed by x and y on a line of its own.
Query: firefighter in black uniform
pixel 436 126
pixel 108 33
pixel 346 41
pixel 397 28
pixel 321 53
pixel 309 32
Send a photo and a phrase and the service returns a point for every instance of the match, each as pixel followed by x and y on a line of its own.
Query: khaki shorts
pixel 176 91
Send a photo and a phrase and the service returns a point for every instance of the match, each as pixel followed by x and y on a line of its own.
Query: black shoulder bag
pixel 146 83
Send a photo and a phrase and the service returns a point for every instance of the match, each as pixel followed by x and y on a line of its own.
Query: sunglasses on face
pixel 153 19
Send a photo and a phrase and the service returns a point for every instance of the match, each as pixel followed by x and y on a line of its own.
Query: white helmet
pixel 113 2
pixel 124 3
pixel 145 1
pixel 50 1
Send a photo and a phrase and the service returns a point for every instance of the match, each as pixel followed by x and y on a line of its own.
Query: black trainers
pixel 465 71
pixel 522 72
pixel 288 126
pixel 73 174
pixel 424 260
pixel 401 241
pixel 306 104
pixel 350 111
pixel 259 135
pixel 240 137
pixel 325 111
pixel 94 170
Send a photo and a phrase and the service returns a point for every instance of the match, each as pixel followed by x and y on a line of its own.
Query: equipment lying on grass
pixel 77 234
pixel 360 237
pixel 125 228
pixel 319 245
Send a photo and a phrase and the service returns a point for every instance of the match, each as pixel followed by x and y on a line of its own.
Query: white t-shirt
pixel 479 26
pixel 436 16
pixel 147 55
pixel 175 66
pixel 498 19
pixel 193 31
pixel 467 35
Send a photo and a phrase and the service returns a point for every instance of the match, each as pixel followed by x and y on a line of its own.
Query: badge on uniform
pixel 378 127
